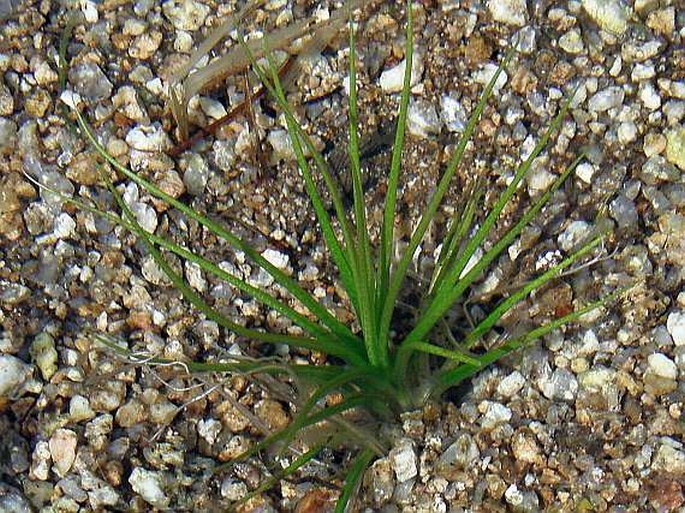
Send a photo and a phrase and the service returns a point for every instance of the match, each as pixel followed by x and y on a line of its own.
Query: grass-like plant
pixel 380 368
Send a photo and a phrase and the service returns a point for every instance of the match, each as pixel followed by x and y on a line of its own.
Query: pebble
pixel 79 409
pixel 573 235
pixel 233 489
pixel 525 448
pixel 403 460
pixel 40 461
pixel 675 147
pixel 196 175
pixel 624 212
pixel 627 132
pixel 511 384
pixel 145 215
pixel 8 134
pixel 422 118
pixel 656 170
pixel 148 138
pixel 145 45
pixel 62 446
pixel 511 12
pixel 130 414
pixel 44 354
pixel 459 456
pixel 669 458
pixel 64 226
pixel 392 79
pixel 148 485
pixel 487 72
pixel 649 96
pixel 453 114
pixel 661 365
pixel 561 384
pixel 653 144
pixel 88 80
pixel 675 324
pixel 610 15
pixel 494 414
pixel 185 14
pixel 276 258
pixel 606 99
pixel 572 42
pixel 13 372
pixel 282 146
pixel 209 430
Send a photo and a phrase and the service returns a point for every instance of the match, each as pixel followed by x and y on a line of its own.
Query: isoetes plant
pixel 377 369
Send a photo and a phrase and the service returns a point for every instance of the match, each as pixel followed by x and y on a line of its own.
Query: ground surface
pixel 589 419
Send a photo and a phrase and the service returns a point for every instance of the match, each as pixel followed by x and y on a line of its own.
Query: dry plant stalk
pixel 190 80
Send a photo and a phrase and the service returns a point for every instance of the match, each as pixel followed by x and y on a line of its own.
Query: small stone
pixel 572 42
pixel 8 134
pixel 13 294
pixel 627 132
pixel 453 114
pixel 88 80
pixel 79 409
pixel 392 79
pixel 62 445
pixel 573 235
pixel 511 384
pixel 494 414
pixel 282 146
pixel 649 96
pixel 276 258
pixel 562 384
pixel 146 216
pixel 522 501
pixel 40 461
pixel 511 12
pixel 624 212
pixel 585 171
pixel 487 72
pixel 130 414
pixel 656 170
pixel 148 138
pixel 38 104
pixel 233 489
pixel 525 448
pixel 662 21
pixel 459 456
pixel 209 430
pixel 6 101
pixel 196 175
pixel 145 45
pixel 675 324
pixel 149 485
pixel 403 460
pixel 669 458
pixel 13 372
pixel 661 365
pixel 185 14
pixel 610 15
pixel 653 144
pixel 64 226
pixel 422 118
pixel 675 147
pixel 44 354
pixel 606 99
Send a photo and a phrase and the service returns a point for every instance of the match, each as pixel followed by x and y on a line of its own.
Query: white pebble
pixel 148 485
pixel 511 12
pixel 422 118
pixel 585 171
pixel 610 15
pixel 276 258
pixel 675 324
pixel 661 365
pixel 392 80
pixel 484 75
pixel 13 372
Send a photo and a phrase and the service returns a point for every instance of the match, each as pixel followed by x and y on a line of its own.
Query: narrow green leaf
pixel 353 478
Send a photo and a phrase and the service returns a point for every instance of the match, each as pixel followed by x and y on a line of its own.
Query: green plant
pixel 371 369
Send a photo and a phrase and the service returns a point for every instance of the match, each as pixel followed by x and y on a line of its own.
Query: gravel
pixel 587 419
